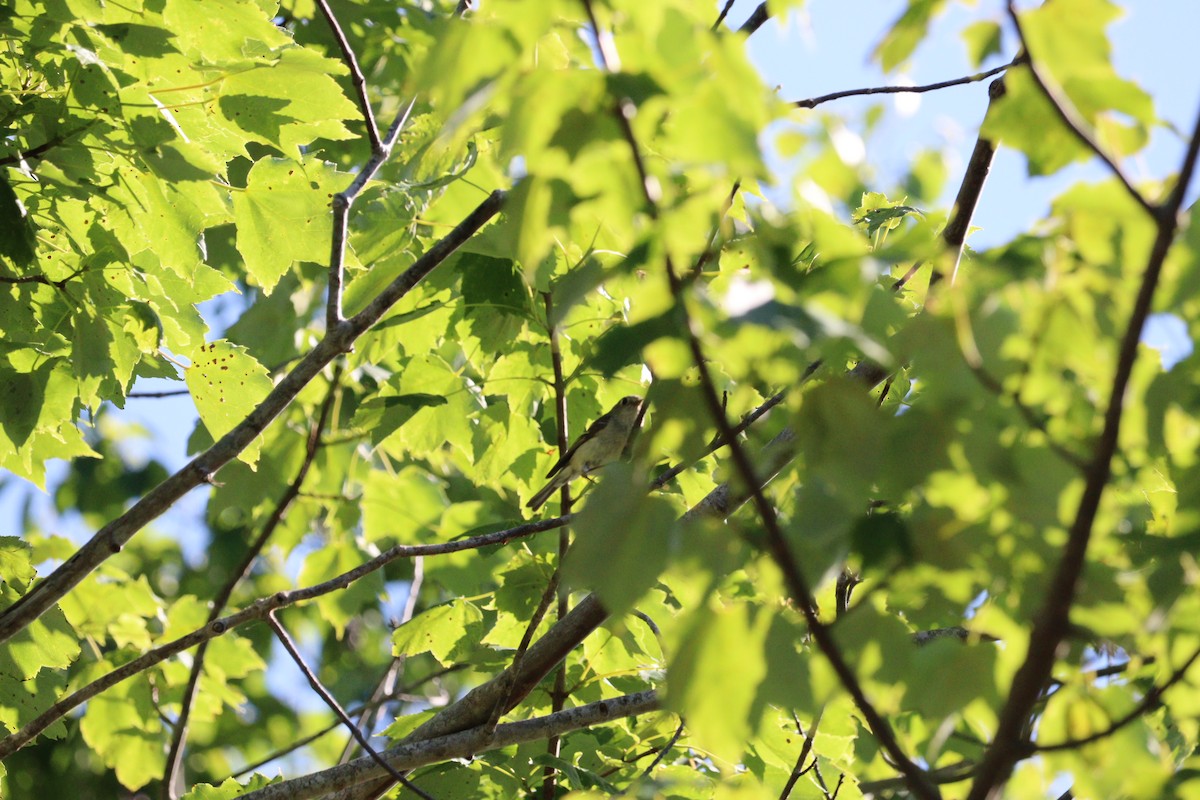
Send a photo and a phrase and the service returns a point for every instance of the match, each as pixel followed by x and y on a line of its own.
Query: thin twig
pixel 380 151
pixel 282 635
pixel 813 102
pixel 156 395
pixel 558 693
pixel 365 709
pixel 387 683
pixel 805 749
pixel 1052 623
pixel 1070 117
pixel 666 748
pixel 724 13
pixel 356 75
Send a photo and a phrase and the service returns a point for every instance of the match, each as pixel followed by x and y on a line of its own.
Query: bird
pixel 601 443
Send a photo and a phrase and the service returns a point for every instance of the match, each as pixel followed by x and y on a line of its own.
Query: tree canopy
pixel 902 518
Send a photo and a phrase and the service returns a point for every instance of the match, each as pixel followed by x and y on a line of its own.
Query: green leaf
pixel 623 539
pixel 449 632
pixel 284 215
pixel 714 675
pixel 47 643
pixel 227 383
pixel 17 238
pixel 907 32
pixel 382 416
pixel 983 39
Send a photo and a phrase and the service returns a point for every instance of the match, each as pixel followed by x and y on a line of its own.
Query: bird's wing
pixel 588 434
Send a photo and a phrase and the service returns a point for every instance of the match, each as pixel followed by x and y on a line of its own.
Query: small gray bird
pixel 601 443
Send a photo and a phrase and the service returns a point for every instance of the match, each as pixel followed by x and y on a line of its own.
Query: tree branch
pixel 341 211
pixel 463 744
pixel 813 102
pixel 282 635
pixel 356 76
pixel 1148 702
pixel 112 537
pixel 1052 622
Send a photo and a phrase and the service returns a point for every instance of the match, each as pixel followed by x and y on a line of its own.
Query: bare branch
pixel 813 102
pixel 356 75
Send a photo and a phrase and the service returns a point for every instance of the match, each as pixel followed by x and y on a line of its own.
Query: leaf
pixel 227 383
pixel 284 216
pixel 382 416
pixel 906 33
pixel 983 39
pixel 714 675
pixel 47 643
pixel 17 238
pixel 623 540
pixel 449 632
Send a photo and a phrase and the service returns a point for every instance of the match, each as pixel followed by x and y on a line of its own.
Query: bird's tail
pixel 539 499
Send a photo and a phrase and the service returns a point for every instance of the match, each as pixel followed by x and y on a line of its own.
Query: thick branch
pixel 463 744
pixel 112 537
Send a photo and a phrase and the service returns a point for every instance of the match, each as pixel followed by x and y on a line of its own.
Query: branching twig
pixel 1052 623
pixel 282 635
pixel 113 536
pixel 365 709
pixel 386 684
pixel 813 102
pixel 805 749
pixel 1075 123
pixel 341 212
